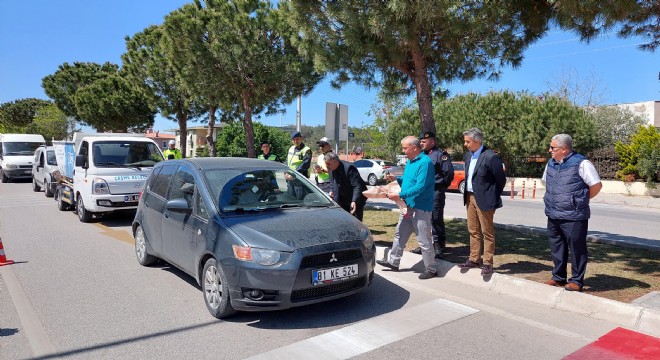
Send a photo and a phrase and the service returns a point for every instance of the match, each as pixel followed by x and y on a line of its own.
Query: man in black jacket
pixel 483 191
pixel 347 185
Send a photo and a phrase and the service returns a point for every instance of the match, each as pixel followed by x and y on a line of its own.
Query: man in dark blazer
pixel 347 185
pixel 482 196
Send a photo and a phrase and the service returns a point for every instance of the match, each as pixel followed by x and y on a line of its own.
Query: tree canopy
pixel 237 56
pixel 417 45
pixel 147 66
pixel 16 115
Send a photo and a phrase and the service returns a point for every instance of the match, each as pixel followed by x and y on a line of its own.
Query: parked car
pixel 372 171
pixel 252 243
pixel 459 177
pixel 43 166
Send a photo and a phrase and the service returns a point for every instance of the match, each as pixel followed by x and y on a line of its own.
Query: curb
pixel 542 232
pixel 631 316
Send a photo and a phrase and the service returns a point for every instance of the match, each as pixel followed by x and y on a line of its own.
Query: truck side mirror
pixel 81 161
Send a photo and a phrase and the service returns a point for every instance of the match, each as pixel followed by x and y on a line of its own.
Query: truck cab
pixel 17 155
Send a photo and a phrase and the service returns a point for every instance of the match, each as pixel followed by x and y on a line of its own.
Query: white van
pixel 17 155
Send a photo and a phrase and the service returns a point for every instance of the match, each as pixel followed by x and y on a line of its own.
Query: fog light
pixel 105 203
pixel 255 294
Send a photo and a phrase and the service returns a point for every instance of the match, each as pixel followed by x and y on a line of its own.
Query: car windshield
pixel 126 154
pixel 246 191
pixel 20 148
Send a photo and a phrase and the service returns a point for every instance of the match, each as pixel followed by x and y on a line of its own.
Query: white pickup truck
pixel 104 172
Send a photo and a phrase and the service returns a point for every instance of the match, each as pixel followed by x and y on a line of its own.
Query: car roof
pixel 209 163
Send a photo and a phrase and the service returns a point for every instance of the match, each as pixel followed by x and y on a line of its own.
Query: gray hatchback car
pixel 254 234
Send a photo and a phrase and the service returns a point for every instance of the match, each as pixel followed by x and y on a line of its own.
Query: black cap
pixel 295 134
pixel 265 142
pixel 427 134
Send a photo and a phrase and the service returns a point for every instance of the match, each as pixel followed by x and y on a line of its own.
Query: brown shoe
pixel 573 287
pixel 469 265
pixel 555 283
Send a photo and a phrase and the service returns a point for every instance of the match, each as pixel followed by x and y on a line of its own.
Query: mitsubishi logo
pixel 333 257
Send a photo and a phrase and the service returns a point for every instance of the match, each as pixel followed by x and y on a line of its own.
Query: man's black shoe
pixel 427 275
pixel 417 250
pixel 386 264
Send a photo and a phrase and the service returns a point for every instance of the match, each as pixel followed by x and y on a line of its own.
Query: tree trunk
pixel 247 125
pixel 423 90
pixel 182 119
pixel 209 136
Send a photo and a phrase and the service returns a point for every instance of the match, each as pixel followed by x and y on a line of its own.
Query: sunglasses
pixel 553 148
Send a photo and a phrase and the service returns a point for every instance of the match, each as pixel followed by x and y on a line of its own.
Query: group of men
pixel 570 179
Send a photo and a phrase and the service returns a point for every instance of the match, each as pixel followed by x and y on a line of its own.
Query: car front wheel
pixel 372 179
pixel 4 177
pixel 83 215
pixel 215 290
pixel 48 189
pixel 35 186
pixel 461 186
pixel 141 253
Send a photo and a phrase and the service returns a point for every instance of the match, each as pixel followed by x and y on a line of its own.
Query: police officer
pixel 172 152
pixel 299 158
pixel 444 174
pixel 320 168
pixel 267 155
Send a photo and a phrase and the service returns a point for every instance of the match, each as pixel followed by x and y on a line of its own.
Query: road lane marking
pixel 374 333
pixel 32 326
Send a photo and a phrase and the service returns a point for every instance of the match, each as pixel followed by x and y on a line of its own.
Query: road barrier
pixel 3 258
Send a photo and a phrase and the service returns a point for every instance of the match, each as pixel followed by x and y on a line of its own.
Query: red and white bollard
pixel 534 190
pixel 523 189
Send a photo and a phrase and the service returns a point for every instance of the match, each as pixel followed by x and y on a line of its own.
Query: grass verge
pixel 613 272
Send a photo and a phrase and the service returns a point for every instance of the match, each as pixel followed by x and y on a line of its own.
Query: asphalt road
pixel 76 291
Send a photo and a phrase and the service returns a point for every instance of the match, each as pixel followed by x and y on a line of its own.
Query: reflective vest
pixel 271 157
pixel 295 157
pixel 175 152
pixel 322 176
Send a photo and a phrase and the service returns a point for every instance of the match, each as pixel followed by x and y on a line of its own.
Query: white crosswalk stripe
pixel 359 338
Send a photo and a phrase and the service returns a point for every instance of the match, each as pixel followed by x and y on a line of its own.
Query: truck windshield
pixel 20 148
pixel 118 153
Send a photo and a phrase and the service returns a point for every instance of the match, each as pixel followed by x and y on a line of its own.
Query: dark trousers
pixel 565 234
pixel 438 218
pixel 359 208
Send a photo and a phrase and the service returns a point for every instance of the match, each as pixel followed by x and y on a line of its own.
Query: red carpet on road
pixel 620 344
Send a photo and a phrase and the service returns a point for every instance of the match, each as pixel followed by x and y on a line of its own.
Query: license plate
pixel 131 197
pixel 326 276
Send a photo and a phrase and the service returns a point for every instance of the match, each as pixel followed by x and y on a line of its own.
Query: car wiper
pixel 249 210
pixel 284 206
pixel 109 163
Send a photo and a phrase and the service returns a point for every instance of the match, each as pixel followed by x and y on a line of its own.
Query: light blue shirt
pixel 473 165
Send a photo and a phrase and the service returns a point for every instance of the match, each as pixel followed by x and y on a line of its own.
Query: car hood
pixel 291 229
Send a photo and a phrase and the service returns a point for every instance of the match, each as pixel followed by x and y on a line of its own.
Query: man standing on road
pixel 417 191
pixel 570 181
pixel 346 185
pixel 482 196
pixel 171 152
pixel 444 174
pixel 299 158
pixel 320 168
pixel 267 155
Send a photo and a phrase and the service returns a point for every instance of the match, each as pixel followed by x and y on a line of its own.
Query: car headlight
pixel 260 256
pixel 366 238
pixel 12 166
pixel 100 187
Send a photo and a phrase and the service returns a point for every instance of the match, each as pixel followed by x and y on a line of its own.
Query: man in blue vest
pixel 570 181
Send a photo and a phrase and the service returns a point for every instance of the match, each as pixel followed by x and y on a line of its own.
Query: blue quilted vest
pixel 566 194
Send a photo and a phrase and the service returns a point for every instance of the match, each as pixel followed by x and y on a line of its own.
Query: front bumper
pixel 290 285
pixel 17 173
pixel 106 203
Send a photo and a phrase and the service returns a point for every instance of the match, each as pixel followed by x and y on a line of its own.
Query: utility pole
pixel 299 114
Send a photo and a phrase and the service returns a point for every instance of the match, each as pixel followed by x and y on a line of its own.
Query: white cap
pixel 172 142
pixel 323 140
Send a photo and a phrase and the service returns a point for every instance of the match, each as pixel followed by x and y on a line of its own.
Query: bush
pixel 640 158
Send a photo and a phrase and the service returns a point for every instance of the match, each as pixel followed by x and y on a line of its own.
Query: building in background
pixel 196 137
pixel 160 138
pixel 649 109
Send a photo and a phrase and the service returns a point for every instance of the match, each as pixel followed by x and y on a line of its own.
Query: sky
pixel 36 36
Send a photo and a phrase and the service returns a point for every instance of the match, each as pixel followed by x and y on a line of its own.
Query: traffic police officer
pixel 267 155
pixel 299 158
pixel 444 174
pixel 172 152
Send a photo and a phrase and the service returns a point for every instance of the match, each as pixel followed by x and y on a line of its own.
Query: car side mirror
pixel 178 205
pixel 81 161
